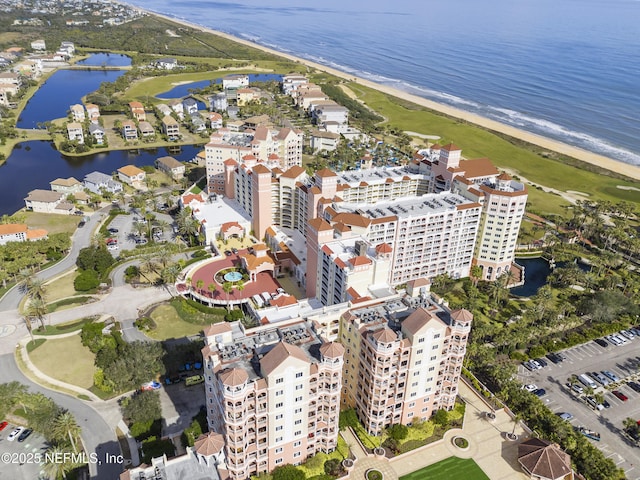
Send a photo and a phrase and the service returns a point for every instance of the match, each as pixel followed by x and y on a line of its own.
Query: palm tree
pixel 228 288
pixel 28 324
pixel 476 274
pixel 65 426
pixel 36 289
pixel 37 308
pixel 211 288
pixel 54 468
pixel 199 285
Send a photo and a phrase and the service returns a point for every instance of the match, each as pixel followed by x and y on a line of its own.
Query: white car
pixel 530 387
pixel 15 433
pixel 113 246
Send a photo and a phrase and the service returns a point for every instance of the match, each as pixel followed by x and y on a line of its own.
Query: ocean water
pixel 566 69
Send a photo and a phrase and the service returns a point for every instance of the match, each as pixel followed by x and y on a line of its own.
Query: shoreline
pixel 616 166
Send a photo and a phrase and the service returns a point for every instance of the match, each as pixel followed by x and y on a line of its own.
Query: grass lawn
pixel 62 287
pixel 68 303
pixel 452 468
pixel 52 222
pixel 74 363
pixel 170 325
pixel 64 327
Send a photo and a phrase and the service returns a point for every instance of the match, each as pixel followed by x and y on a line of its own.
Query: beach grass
pixel 451 468
pixel 74 363
pixel 534 163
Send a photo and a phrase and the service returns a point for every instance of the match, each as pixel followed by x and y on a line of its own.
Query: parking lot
pixel 623 361
pixel 21 456
pixel 126 237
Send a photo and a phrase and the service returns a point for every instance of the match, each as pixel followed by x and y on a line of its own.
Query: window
pixel 299 387
pixel 431 369
pixel 297 433
pixel 279 416
pixel 298 399
pixel 278 439
pixel 279 392
pixel 419 352
pixel 414 384
pixel 297 444
pixel 299 375
pixel 418 362
pixel 298 410
pixel 421 340
pixel 279 428
pixel 278 461
pixel 279 380
pixel 279 450
pixel 433 358
pixel 437 335
pixel 435 347
pixel 279 405
pixel 296 455
pixel 298 422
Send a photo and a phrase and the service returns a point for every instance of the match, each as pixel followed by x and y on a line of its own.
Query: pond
pixel 180 91
pixel 536 271
pixel 63 89
pixel 33 165
pixel 106 60
pixel 233 276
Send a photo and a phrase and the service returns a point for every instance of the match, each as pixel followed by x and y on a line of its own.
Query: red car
pixel 3 425
pixel 620 395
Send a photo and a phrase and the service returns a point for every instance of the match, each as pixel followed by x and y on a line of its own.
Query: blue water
pixel 63 89
pixel 567 69
pixel 536 271
pixel 106 60
pixel 184 90
pixel 36 164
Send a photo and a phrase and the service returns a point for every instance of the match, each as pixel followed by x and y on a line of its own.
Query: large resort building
pixel 363 246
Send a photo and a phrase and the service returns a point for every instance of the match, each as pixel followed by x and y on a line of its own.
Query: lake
pixel 63 89
pixel 183 90
pixel 106 60
pixel 536 271
pixel 34 164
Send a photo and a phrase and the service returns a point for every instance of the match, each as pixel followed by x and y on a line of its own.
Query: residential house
pixel 235 125
pixel 170 127
pixel 233 112
pixel 18 232
pixel 146 129
pixel 38 45
pixel 176 106
pixel 97 132
pixel 246 95
pixel 77 112
pixel 74 131
pixel 292 81
pixel 190 106
pixel 163 109
pixel 219 102
pixel 96 182
pixel 235 81
pixel 258 121
pixel 46 201
pixel 129 130
pixel 137 111
pixel 330 113
pixel 66 186
pixel 93 112
pixel 326 141
pixel 171 167
pixel 166 63
pixel 31 68
pixel 10 80
pixel 198 123
pixel 67 47
pixel 215 120
pixel 4 97
pixel 132 175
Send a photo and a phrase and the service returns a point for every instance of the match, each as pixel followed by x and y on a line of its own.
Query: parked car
pixel 113 230
pixel 234 250
pixel 555 358
pixel 627 334
pixel 565 415
pixel 634 386
pixel 594 404
pixel 541 392
pixel 3 425
pixel 577 388
pixel 535 363
pixel 14 433
pixel 150 386
pixel 620 395
pixel 112 246
pixel 541 362
pixel 602 379
pixel 612 376
pixel 530 387
pixel 605 404
pixel 227 253
pixel 25 434
pixel 602 342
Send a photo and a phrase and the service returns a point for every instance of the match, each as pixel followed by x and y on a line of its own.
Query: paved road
pixel 97 435
pixel 80 239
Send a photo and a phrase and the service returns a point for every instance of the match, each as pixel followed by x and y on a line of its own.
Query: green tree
pixel 287 472
pixel 65 428
pixel 400 432
pixel 143 407
pixel 441 417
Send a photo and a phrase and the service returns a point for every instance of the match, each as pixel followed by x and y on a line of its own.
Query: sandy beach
pixel 631 171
